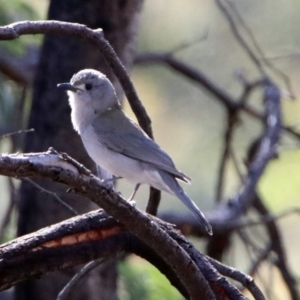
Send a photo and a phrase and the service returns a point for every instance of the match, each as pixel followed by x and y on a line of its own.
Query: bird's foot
pixel 109 180
pixel 134 192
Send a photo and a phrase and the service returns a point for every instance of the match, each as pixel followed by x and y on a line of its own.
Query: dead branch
pixel 245 280
pixel 276 245
pixel 96 235
pixel 197 76
pixel 52 166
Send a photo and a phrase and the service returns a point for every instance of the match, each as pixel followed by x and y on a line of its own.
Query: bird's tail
pixel 194 209
pixel 176 189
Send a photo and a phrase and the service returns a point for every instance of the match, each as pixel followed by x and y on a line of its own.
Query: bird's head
pixel 90 88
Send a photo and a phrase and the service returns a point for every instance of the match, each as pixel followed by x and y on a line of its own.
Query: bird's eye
pixel 88 86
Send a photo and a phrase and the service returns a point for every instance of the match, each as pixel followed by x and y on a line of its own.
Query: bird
pixel 119 145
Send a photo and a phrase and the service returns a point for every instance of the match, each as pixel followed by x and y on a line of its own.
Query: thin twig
pixel 264 253
pixel 278 248
pixel 184 46
pixel 227 141
pixel 244 279
pixel 54 195
pixel 258 49
pixel 19 70
pixel 64 293
pixel 265 219
pixel 239 38
pixel 17 132
pixel 196 75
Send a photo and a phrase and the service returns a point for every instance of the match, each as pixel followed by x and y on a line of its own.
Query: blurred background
pixel 187 122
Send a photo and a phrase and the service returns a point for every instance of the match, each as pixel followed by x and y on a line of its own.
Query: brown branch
pixel 197 76
pixel 239 38
pixel 226 217
pixel 47 165
pixel 244 279
pixel 278 248
pixel 95 233
pixel 64 293
pixel 54 248
pixel 235 28
pixel 232 118
pixel 16 132
pixel 224 289
pixel 263 255
pixel 16 69
pixel 45 250
pixel 65 205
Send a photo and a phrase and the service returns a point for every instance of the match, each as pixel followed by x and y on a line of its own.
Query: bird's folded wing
pixel 124 136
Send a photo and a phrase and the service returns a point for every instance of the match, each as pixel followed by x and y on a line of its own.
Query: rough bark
pixel 60 58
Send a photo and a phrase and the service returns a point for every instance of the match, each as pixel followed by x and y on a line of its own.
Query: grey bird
pixel 117 143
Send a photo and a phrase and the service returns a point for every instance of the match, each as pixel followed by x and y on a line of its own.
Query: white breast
pixel 82 112
pixel 121 165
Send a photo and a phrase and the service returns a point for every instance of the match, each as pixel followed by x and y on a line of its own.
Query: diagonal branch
pixel 226 217
pixel 96 235
pixel 197 76
pixel 51 166
pixel 276 244
pixel 243 199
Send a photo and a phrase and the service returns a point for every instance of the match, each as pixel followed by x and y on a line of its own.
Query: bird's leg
pixel 134 192
pixel 108 180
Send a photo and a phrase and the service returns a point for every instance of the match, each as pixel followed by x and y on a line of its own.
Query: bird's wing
pixel 119 133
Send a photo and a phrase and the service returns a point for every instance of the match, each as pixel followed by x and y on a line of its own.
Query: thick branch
pixel 51 166
pixel 72 242
pixel 97 235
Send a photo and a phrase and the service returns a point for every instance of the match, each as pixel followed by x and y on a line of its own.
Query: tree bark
pixel 60 58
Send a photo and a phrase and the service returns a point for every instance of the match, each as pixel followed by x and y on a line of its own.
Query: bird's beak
pixel 67 87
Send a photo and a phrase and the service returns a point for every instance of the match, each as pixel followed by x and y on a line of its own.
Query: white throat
pixel 82 114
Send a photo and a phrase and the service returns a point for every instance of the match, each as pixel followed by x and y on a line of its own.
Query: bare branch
pixel 16 69
pixel 232 118
pixel 47 165
pixel 55 196
pixel 196 75
pixel 239 38
pixel 64 293
pixel 244 279
pixel 265 152
pixel 256 46
pixel 16 132
pixel 278 248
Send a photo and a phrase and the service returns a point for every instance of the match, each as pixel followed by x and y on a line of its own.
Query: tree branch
pixel 197 76
pixel 51 166
pixel 96 235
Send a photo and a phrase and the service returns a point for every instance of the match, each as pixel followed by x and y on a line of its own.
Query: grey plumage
pixel 118 144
